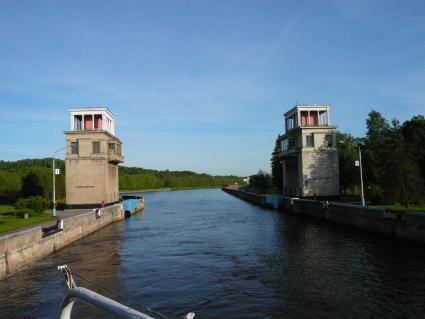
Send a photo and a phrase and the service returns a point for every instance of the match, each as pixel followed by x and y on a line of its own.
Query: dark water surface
pixel 208 252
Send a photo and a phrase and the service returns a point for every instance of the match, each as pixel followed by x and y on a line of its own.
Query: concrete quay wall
pixel 410 226
pixel 19 249
pixel 254 198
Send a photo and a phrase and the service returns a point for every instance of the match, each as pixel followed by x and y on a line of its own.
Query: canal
pixel 208 252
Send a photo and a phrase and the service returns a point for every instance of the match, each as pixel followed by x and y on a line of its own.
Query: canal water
pixel 211 253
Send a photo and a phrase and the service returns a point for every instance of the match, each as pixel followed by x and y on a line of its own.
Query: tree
pixel 260 181
pixel 401 179
pixel 32 185
pixel 414 135
pixel 10 186
pixel 277 172
pixel 377 129
pixel 33 177
pixel 349 178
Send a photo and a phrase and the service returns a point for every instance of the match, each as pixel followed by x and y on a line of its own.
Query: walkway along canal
pixel 219 256
pixel 19 249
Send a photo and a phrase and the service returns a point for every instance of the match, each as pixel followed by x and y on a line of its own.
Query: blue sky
pixel 202 85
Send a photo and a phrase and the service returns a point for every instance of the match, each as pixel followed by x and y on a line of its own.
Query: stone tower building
pixel 309 155
pixel 92 158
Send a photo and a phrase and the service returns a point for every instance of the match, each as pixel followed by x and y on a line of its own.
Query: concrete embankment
pixel 408 225
pixel 272 201
pixel 19 249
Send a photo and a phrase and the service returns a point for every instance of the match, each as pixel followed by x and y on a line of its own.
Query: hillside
pixel 29 177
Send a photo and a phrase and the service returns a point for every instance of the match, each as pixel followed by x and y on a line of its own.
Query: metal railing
pixel 313 124
pixel 109 305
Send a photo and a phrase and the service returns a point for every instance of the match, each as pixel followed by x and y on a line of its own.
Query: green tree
pixel 33 177
pixel 134 178
pixel 374 142
pixel 32 185
pixel 277 171
pixel 413 132
pixel 10 186
pixel 349 178
pixel 261 181
pixel 401 178
pixel 36 203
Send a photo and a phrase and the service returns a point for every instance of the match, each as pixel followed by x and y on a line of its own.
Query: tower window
pixel 310 140
pixel 74 147
pixel 111 148
pixel 96 147
pixel 323 118
pixel 284 145
pixel 328 140
pixel 77 122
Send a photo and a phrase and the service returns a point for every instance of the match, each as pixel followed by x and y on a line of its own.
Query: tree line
pixel 29 177
pixel 33 177
pixel 393 158
pixel 134 178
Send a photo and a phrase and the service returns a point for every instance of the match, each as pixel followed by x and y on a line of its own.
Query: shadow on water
pixel 208 252
pixel 335 271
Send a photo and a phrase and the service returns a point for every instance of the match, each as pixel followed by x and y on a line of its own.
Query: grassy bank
pixel 9 222
pixel 400 208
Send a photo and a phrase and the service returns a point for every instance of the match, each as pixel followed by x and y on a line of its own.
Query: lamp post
pixel 361 174
pixel 54 181
pixel 359 163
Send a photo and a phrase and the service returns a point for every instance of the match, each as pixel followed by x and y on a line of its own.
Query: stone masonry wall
pixel 19 249
pixel 409 226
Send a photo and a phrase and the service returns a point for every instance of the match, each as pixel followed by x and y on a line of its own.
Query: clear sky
pixel 202 85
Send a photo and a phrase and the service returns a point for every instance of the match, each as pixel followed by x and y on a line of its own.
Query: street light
pixel 359 164
pixel 54 181
pixel 361 174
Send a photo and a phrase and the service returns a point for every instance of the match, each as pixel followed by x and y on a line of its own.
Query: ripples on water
pixel 208 252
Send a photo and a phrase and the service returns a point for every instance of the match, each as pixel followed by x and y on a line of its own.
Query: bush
pixel 261 180
pixel 21 213
pixel 36 203
pixel 375 194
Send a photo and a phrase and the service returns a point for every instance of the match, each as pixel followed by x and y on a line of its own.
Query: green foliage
pixel 10 221
pixel 393 160
pixel 33 185
pixel 31 163
pixel 30 177
pixel 375 194
pixel 261 181
pixel 348 154
pixel 277 173
pixel 10 186
pixel 374 143
pixel 6 208
pixel 399 208
pixel 36 203
pixel 20 213
pixel 414 136
pixel 401 178
pixel 33 177
pixel 134 178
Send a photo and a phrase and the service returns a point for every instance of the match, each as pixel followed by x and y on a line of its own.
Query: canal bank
pixel 21 248
pixel 409 225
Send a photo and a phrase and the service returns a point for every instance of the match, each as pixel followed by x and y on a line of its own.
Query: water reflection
pixel 208 252
pixel 37 292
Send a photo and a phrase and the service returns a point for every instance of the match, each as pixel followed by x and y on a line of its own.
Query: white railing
pixel 109 305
